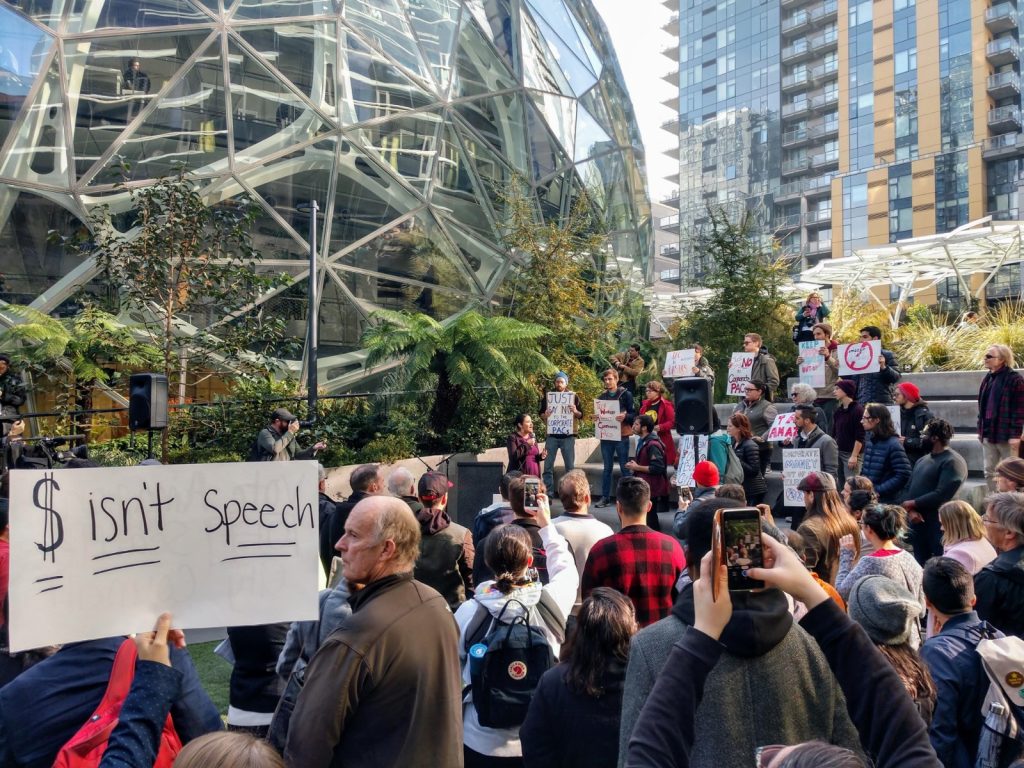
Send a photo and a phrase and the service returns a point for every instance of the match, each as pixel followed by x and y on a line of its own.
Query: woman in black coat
pixel 573 720
pixel 750 457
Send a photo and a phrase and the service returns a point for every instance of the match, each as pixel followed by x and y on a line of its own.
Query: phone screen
pixel 742 547
pixel 531 488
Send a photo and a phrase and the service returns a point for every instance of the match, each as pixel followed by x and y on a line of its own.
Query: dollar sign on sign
pixel 53 526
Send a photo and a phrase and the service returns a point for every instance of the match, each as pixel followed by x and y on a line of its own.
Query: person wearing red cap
pixel 707 479
pixel 914 415
pixel 446 548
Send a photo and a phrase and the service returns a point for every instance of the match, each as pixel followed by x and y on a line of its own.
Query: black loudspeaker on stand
pixel 147 401
pixel 691 397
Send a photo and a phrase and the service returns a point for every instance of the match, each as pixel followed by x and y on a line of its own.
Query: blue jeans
pixel 608 450
pixel 568 447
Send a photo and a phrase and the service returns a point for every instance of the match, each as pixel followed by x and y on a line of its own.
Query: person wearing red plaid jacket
pixel 641 563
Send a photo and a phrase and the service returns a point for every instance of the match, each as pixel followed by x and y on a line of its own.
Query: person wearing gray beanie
pixel 888 614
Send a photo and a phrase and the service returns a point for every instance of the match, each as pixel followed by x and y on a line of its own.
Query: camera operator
pixel 277 441
pixel 12 393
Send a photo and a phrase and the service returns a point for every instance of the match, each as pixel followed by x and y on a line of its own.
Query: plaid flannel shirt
pixel 642 564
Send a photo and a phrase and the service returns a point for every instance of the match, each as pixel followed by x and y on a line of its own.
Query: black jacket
pixel 12 391
pixel 566 729
pixel 327 506
pixel 331 533
pixel 255 686
pixel 999 587
pixel 912 423
pixel 750 457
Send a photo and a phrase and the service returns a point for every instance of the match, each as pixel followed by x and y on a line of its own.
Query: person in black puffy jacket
pixel 750 457
pixel 885 462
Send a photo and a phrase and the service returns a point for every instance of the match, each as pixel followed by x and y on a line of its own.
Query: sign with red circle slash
pixel 859 357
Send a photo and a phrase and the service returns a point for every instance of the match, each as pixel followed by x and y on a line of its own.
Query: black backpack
pixel 506 661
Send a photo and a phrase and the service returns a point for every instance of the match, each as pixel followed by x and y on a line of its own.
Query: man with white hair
pixel 999 586
pixel 402 485
pixel 385 689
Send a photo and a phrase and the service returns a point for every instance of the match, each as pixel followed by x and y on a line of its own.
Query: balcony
pixel 669 251
pixel 826 70
pixel 796 136
pixel 672 25
pixel 672 152
pixel 1003 85
pixel 797 165
pixel 825 40
pixel 797 21
pixel 998 146
pixel 1001 18
pixel 672 77
pixel 672 126
pixel 825 12
pixel 788 3
pixel 671 52
pixel 818 218
pixel 669 223
pixel 819 247
pixel 1002 51
pixel 799 50
pixel 672 5
pixel 795 108
pixel 796 80
pixel 672 103
pixel 824 100
pixel 1004 119
pixel 824 160
pixel 1005 214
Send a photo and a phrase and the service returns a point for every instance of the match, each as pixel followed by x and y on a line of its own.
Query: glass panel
pixel 557 18
pixel 271 9
pixel 499 119
pixel 87 15
pixel 367 198
pixel 121 77
pixel 37 151
pixel 374 292
pixel 591 138
pixel 407 144
pixel 540 65
pixel 553 196
pixel 593 102
pixel 497 178
pixel 305 54
pixel 383 23
pixel 577 74
pixel 548 157
pixel 372 87
pixel 24 48
pixel 496 22
pixel 477 71
pixel 273 241
pixel 340 322
pixel 455 190
pixel 482 259
pixel 435 23
pixel 267 116
pixel 560 113
pixel 30 261
pixel 46 12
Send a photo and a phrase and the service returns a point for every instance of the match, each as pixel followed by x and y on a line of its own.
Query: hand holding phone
pixel 531 489
pixel 712 606
pixel 783 569
pixel 740 546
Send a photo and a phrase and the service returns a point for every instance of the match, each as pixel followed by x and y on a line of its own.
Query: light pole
pixel 311 208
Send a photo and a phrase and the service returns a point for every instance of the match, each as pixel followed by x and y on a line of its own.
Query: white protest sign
pixel 679 363
pixel 605 425
pixel 797 463
pixel 859 357
pixel 102 552
pixel 894 411
pixel 812 369
pixel 783 428
pixel 739 373
pixel 560 404
pixel 689 455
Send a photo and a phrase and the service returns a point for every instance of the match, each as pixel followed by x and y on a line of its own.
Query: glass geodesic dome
pixel 403 119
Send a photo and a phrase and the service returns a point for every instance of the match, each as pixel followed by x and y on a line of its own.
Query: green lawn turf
pixel 214 672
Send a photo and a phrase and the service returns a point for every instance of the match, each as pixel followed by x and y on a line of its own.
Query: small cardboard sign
pixel 606 427
pixel 859 357
pixel 783 428
pixel 680 363
pixel 812 369
pixel 797 463
pixel 740 366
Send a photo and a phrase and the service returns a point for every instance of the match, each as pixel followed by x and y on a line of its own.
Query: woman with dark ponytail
pixel 515 591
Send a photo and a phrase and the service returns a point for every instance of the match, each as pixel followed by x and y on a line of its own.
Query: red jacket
pixel 665 418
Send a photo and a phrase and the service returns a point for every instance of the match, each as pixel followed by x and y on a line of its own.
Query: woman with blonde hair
pixel 963 536
pixel 825 523
pixel 228 749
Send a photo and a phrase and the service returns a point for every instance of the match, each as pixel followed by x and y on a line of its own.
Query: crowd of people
pixel 527 639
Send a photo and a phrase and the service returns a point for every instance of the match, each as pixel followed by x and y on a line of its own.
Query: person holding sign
pixel 825 347
pixel 560 410
pixel 765 368
pixel 658 408
pixel 875 387
pixel 701 366
pixel 610 445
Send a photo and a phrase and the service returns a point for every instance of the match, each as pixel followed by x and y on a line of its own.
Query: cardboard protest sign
pixel 812 369
pixel 739 373
pixel 102 552
pixel 560 420
pixel 605 425
pixel 797 463
pixel 894 411
pixel 783 428
pixel 859 357
pixel 689 455
pixel 679 363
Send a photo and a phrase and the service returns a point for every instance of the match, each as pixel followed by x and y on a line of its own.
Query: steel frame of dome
pixel 404 119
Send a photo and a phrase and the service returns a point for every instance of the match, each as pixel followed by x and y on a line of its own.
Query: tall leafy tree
pixel 470 349
pixel 748 282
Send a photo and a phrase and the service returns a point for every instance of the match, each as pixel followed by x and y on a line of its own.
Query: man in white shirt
pixel 576 524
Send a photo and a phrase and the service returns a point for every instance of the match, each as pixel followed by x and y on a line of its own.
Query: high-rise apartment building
pixel 846 124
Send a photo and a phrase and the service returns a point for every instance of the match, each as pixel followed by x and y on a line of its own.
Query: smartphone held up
pixel 531 489
pixel 737 544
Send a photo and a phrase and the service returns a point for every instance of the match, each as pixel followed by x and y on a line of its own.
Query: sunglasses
pixel 991 357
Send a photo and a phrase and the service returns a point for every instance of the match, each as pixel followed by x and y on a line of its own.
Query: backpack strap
pixel 478 626
pixel 552 616
pixel 121 675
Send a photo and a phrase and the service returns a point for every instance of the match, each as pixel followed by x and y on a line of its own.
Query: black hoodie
pixel 760 620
